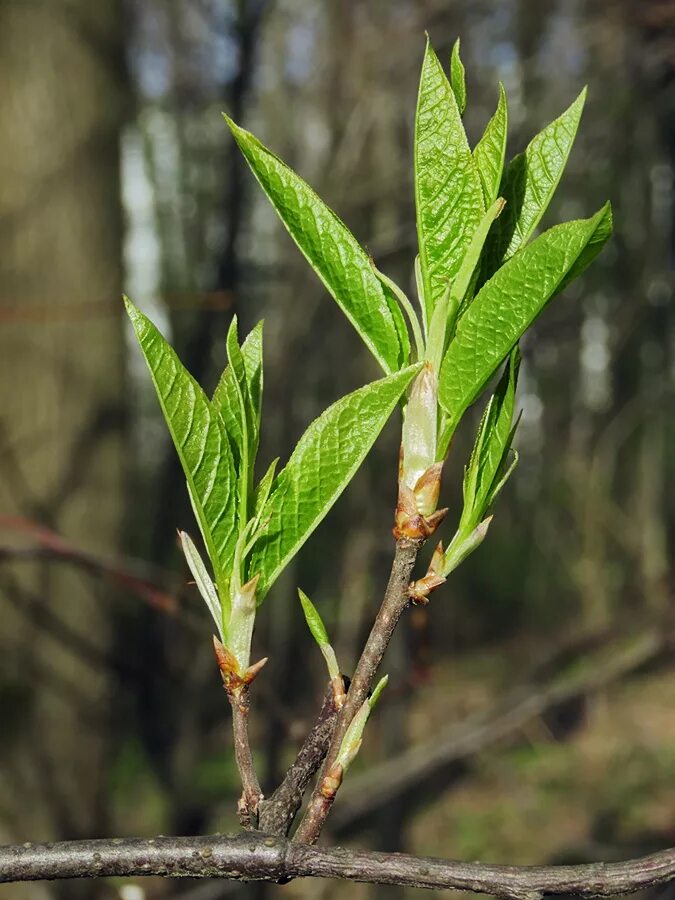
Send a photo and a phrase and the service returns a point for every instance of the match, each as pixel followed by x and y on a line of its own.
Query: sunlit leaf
pixel 321 466
pixel 490 151
pixel 332 251
pixel 448 193
pixel 505 307
pixel 201 443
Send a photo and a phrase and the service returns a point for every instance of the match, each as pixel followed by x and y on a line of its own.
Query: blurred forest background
pixel 530 711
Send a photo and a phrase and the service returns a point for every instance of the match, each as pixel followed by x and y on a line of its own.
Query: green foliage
pixel 322 464
pixel 448 192
pixel 202 445
pixel 480 285
pixel 458 77
pixel 490 151
pixel 319 633
pixel 251 535
pixel 504 309
pixel 530 182
pixel 333 252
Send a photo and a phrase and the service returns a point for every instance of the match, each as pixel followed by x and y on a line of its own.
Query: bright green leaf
pixel 262 492
pixel 448 193
pixel 226 396
pixel 458 78
pixel 201 443
pixel 530 182
pixel 505 307
pixel 490 151
pixel 332 251
pixel 321 466
pixel 491 447
pixel 599 238
pixel 313 619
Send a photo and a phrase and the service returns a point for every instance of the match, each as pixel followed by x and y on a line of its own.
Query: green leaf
pixel 531 181
pixel 201 444
pixel 313 619
pixel 491 447
pixel 319 633
pixel 226 396
pixel 203 580
pixel 599 238
pixel 461 284
pixel 504 308
pixel 351 742
pixel 448 193
pixel 458 78
pixel 262 492
pixel 490 151
pixel 332 251
pixel 321 466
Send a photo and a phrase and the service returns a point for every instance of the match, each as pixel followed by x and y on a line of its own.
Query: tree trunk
pixel 62 104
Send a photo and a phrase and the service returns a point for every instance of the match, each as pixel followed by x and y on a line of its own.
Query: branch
pixel 257 857
pixel 278 812
pixel 251 796
pixel 395 601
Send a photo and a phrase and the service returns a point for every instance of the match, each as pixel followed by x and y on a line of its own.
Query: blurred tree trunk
pixel 61 382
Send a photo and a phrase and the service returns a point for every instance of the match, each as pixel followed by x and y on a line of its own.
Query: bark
pixel 259 857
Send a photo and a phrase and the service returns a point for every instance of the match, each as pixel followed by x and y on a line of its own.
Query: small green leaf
pixel 448 193
pixel 262 492
pixel 530 182
pixel 458 78
pixel 313 619
pixel 203 580
pixel 463 545
pixel 320 635
pixel 321 466
pixel 202 446
pixel 247 421
pixel 332 251
pixel 599 238
pixel 491 447
pixel 490 151
pixel 380 686
pixel 499 434
pixel 460 285
pixel 351 742
pixel 503 310
pixel 226 397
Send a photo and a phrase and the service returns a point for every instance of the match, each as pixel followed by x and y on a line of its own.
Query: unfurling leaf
pixel 458 77
pixel 333 252
pixel 490 151
pixel 448 193
pixel 226 397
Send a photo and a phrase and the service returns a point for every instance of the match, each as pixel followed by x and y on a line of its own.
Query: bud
pixel 419 427
pixel 419 590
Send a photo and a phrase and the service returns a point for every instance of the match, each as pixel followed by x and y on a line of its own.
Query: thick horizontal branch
pixel 256 857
